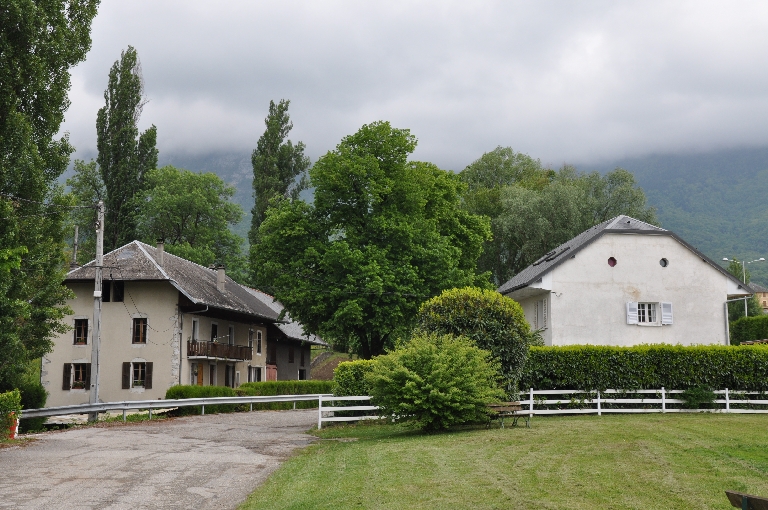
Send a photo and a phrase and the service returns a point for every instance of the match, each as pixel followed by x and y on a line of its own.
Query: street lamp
pixel 744 275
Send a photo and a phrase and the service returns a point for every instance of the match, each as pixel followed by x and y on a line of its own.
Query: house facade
pixel 762 295
pixel 625 282
pixel 167 321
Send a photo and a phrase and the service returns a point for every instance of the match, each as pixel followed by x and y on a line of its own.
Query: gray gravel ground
pixel 198 462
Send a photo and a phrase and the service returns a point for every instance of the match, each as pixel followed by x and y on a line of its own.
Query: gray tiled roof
pixel 137 261
pixel 619 224
pixel 290 328
pixel 757 288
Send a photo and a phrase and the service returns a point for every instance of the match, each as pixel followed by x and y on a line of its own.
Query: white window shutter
pixel 666 313
pixel 631 313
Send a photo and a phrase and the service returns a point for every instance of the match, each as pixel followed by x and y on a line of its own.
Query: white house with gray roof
pixel 166 321
pixel 625 282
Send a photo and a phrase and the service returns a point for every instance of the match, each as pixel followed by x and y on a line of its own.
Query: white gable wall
pixel 587 303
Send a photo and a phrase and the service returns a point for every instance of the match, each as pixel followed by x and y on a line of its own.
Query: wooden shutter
pixel 631 313
pixel 87 376
pixel 126 375
pixel 666 313
pixel 148 375
pixel 67 382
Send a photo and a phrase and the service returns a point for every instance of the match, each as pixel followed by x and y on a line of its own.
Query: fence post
pixel 203 413
pixel 150 412
pixel 727 402
pixel 251 406
pixel 663 401
pixel 599 411
pixel 319 412
pixel 531 408
pixel 124 417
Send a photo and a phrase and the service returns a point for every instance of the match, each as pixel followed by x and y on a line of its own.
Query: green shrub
pixel 698 397
pixel 494 322
pixel 349 378
pixel 749 328
pixel 590 368
pixel 194 391
pixel 10 402
pixel 435 382
pixel 285 388
pixel 33 396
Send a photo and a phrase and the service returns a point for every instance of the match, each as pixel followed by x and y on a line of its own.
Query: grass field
pixel 667 461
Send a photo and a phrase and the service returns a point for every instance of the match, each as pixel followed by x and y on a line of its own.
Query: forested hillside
pixel 717 201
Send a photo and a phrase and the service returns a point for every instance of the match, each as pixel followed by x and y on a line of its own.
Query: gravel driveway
pixel 211 461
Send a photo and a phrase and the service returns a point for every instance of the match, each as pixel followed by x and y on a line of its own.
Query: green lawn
pixel 588 462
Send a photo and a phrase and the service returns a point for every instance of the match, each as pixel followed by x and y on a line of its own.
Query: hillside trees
pixel 124 155
pixel 192 213
pixel 382 235
pixel 39 43
pixel 276 165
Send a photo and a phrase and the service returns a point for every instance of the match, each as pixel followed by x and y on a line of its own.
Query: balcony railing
pixel 215 350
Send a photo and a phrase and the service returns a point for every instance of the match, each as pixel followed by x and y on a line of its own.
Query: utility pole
pixel 96 338
pixel 73 264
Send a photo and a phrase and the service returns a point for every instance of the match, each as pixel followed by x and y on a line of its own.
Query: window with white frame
pixel 258 342
pixel 195 330
pixel 649 313
pixel 137 374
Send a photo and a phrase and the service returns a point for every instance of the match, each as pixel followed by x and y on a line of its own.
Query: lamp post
pixel 744 275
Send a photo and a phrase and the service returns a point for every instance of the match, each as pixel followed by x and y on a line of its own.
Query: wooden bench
pixel 505 410
pixel 747 501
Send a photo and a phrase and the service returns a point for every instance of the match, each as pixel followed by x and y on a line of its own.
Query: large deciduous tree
pixel 534 209
pixel 276 165
pixel 192 213
pixel 39 42
pixel 382 235
pixel 124 155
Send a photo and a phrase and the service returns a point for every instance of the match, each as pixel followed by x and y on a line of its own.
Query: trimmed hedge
pixel 285 388
pixel 749 328
pixel 349 378
pixel 193 391
pixel 590 368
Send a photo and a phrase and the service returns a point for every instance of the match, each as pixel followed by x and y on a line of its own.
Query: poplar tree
pixel 39 43
pixel 276 165
pixel 124 155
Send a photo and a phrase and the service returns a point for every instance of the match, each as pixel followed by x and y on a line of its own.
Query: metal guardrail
pixel 165 404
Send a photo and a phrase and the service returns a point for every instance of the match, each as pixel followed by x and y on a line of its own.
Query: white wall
pixel 588 297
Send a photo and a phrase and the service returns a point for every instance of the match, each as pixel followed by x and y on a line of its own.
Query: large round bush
pixel 494 322
pixel 435 381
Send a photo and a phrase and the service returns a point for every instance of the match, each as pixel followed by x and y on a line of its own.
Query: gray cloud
pixel 575 82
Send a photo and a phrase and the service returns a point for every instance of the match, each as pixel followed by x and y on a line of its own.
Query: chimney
pixel 220 278
pixel 160 251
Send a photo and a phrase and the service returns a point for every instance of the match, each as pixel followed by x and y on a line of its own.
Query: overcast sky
pixel 573 82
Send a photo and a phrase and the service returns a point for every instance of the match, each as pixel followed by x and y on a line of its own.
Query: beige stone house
pixel 166 321
pixel 762 295
pixel 625 282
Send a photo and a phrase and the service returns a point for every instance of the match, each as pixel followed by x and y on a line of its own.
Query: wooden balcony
pixel 215 350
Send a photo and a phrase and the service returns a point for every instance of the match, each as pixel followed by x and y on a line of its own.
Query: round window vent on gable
pixel 663 262
pixel 611 261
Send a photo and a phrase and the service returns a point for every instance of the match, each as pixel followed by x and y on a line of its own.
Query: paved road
pixel 198 462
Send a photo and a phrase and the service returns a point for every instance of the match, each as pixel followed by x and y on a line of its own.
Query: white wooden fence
pixel 331 409
pixel 542 402
pixel 656 401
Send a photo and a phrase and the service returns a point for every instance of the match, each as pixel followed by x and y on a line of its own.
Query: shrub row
pixel 248 389
pixel 646 367
pixel 285 388
pixel 749 328
pixel 194 391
